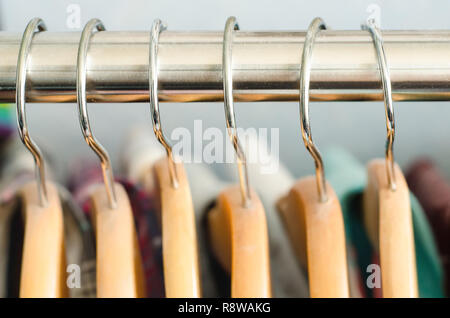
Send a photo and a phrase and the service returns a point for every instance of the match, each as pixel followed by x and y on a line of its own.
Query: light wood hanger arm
pixel 240 242
pixel 43 268
pixel 316 231
pixel 388 221
pixel 119 265
pixel 179 238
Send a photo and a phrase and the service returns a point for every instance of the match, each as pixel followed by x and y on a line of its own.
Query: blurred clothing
pixel 86 176
pixel 16 169
pixel 433 192
pixel 348 178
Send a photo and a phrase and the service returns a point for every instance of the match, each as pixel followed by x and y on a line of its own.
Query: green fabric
pixel 348 179
pixel 6 113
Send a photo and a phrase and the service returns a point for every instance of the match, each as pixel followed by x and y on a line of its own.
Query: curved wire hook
pixel 157 28
pixel 83 113
pixel 305 73
pixel 21 74
pixel 387 92
pixel 227 74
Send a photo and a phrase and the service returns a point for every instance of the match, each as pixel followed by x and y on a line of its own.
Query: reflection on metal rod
pixel 265 66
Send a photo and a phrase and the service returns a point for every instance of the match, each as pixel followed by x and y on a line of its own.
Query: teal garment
pixel 348 179
pixel 6 114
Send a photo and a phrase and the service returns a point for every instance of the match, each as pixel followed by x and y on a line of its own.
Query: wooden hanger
pixel 43 268
pixel 387 207
pixel 237 223
pixel 119 265
pixel 311 211
pixel 316 230
pixel 239 240
pixel 43 258
pixel 388 221
pixel 179 238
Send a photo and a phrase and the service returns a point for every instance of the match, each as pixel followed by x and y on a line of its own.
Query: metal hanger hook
pixel 305 74
pixel 157 28
pixel 388 105
pixel 108 177
pixel 34 26
pixel 227 74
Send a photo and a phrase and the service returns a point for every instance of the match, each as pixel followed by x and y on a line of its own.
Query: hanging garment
pixel 205 186
pixel 271 180
pixel 141 150
pixel 348 178
pixel 80 247
pixel 85 177
pixel 14 172
pixel 144 161
pixel 16 169
pixel 139 153
pixel 433 192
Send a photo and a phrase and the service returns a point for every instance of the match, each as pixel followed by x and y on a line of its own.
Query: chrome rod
pixel 265 66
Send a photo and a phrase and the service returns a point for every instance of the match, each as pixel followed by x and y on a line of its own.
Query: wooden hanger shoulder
pixel 179 238
pixel 119 264
pixel 43 268
pixel 317 233
pixel 239 239
pixel 388 220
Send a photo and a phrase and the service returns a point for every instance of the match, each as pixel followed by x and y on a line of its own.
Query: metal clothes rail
pixel 265 66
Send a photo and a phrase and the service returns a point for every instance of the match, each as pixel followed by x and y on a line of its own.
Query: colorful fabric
pixel 17 169
pixel 139 153
pixel 433 192
pixel 289 279
pixel 6 111
pixel 79 245
pixel 348 178
pixel 205 187
pixel 86 177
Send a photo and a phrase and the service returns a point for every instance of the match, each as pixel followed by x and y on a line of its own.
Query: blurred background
pixel 359 127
